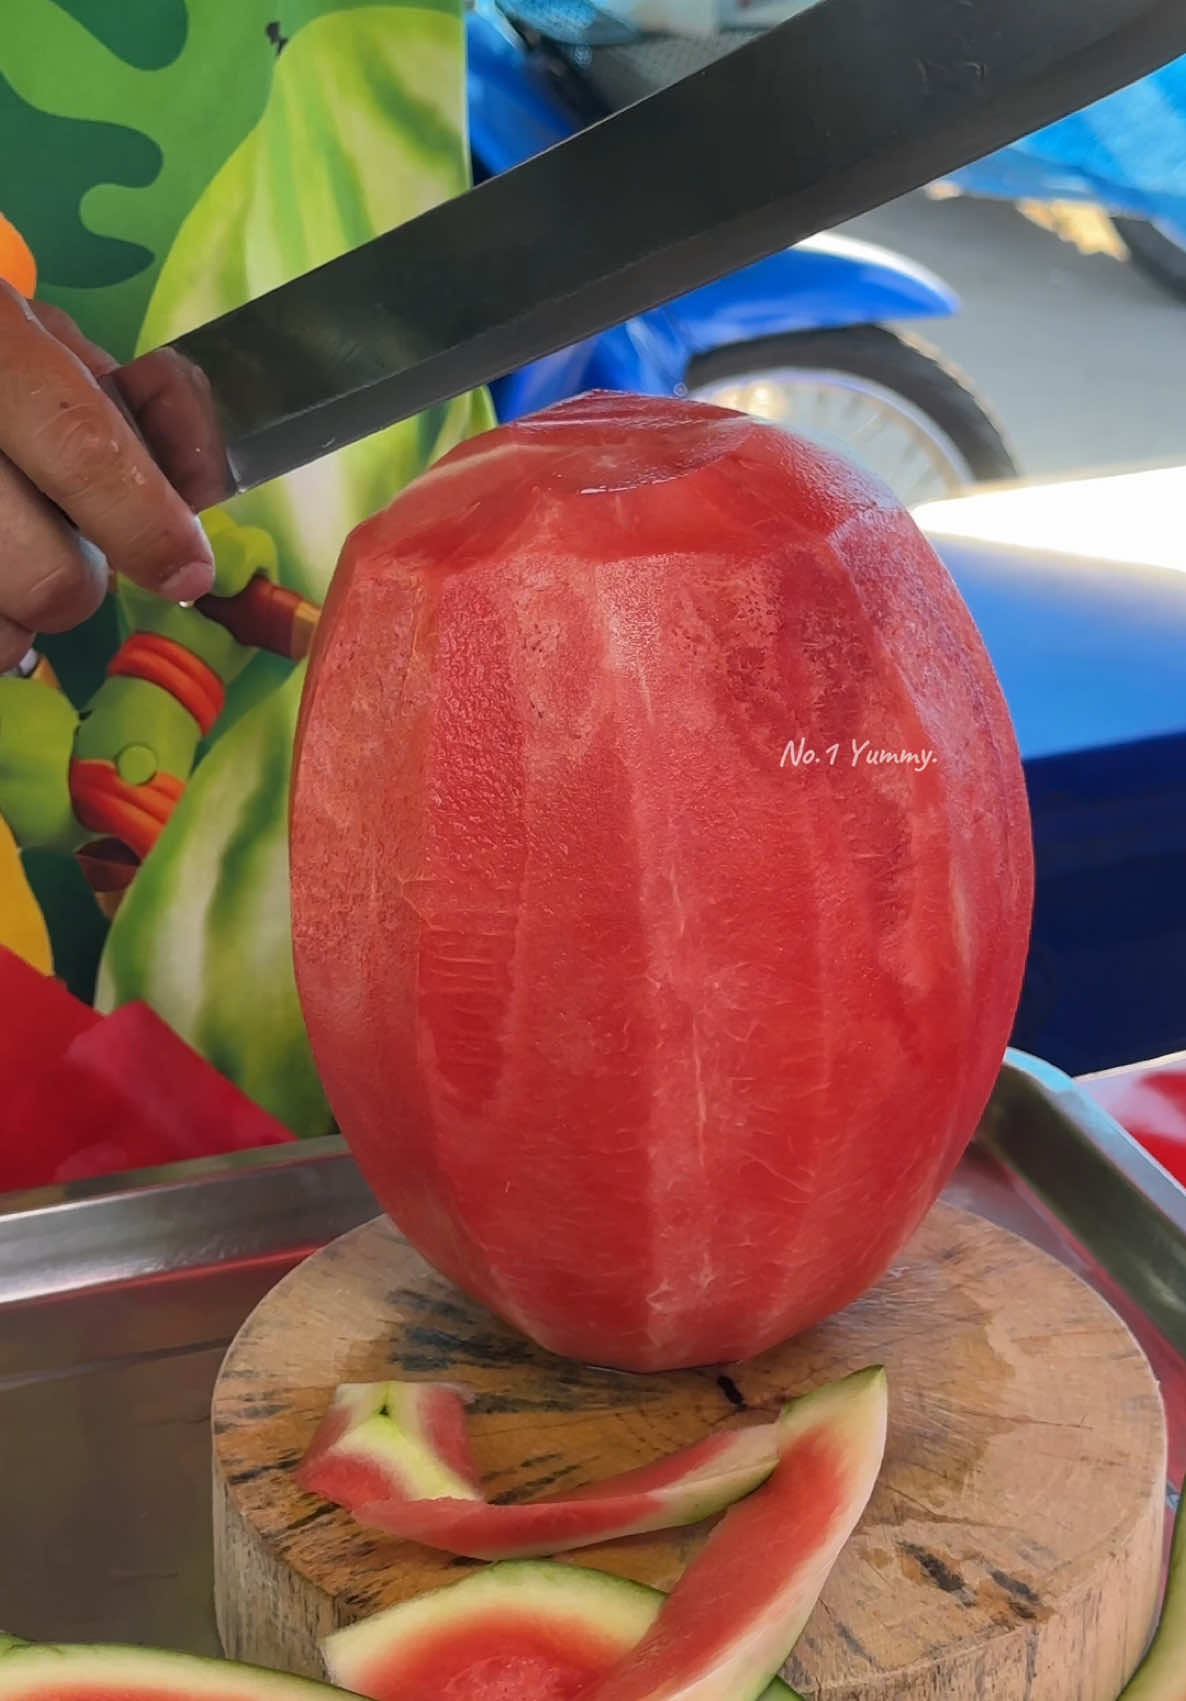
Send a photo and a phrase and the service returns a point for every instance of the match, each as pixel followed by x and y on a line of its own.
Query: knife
pixel 835 111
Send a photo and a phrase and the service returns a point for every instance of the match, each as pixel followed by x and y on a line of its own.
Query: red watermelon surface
pixel 661 876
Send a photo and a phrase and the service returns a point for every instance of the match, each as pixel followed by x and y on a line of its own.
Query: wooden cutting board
pixel 1011 1550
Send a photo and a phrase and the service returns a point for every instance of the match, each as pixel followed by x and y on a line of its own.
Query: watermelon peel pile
pixel 395 1455
pixel 722 1634
pixel 548 1631
pixel 391 1441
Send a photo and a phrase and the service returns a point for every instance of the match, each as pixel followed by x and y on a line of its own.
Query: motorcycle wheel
pixel 1159 250
pixel 889 403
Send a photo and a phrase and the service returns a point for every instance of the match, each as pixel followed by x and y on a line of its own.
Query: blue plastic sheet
pixel 1127 153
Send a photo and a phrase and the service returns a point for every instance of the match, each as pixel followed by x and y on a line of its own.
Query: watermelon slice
pixel 534 1629
pixel 1161 1676
pixel 738 1610
pixel 398 1440
pixel 38 1672
pixel 366 1457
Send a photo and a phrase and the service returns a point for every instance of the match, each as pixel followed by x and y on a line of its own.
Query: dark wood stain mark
pixel 731 1392
pixel 251 1473
pixel 263 1409
pixel 581 1403
pixel 937 1570
pixel 436 1305
pixel 1014 1586
pixel 853 1642
pixel 310 1518
pixel 528 1490
pixel 429 1348
pixel 1025 1602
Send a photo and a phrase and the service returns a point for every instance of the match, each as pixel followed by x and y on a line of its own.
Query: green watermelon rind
pixel 464 1523
pixel 38 1670
pixel 385 1428
pixel 616 1605
pixel 831 1445
pixel 1161 1675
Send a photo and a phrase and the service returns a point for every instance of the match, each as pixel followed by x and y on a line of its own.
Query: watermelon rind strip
pixel 75 1671
pixel 384 1427
pixel 420 1505
pixel 543 1589
pixel 848 1421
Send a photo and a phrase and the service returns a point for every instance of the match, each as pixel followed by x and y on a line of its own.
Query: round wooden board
pixel 1011 1550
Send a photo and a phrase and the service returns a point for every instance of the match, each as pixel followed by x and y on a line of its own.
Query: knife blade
pixel 835 111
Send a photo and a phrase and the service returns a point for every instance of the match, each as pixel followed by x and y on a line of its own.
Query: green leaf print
pixel 363 129
pixel 125 140
pixel 203 934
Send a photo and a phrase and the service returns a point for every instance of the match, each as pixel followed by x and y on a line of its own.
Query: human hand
pixel 80 495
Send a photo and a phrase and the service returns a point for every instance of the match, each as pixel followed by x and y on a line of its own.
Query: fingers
pixel 50 578
pixel 62 326
pixel 171 401
pixel 14 644
pixel 73 445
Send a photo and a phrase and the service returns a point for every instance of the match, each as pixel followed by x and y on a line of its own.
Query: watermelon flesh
pixel 552 1633
pixel 531 1632
pixel 413 1477
pixel 742 1604
pixel 40 1672
pixel 391 1440
pixel 661 876
pixel 514 1632
pixel 1161 1676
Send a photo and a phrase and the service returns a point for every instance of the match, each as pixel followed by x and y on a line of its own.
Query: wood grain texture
pixel 1011 1548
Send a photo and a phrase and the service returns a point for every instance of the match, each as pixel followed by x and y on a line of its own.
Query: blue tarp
pixel 1127 152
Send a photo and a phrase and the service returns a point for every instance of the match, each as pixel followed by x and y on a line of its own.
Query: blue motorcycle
pixel 801 339
pixel 1072 584
pixel 1125 155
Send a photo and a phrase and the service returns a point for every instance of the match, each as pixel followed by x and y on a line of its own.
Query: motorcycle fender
pixel 512 113
pixel 644 357
pixel 822 284
pixel 825 283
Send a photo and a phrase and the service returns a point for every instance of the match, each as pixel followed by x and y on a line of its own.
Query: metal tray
pixel 117 1302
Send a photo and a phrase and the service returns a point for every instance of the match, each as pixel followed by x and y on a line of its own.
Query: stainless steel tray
pixel 117 1302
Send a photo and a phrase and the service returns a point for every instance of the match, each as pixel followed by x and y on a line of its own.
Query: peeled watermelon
pixel 655 1012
